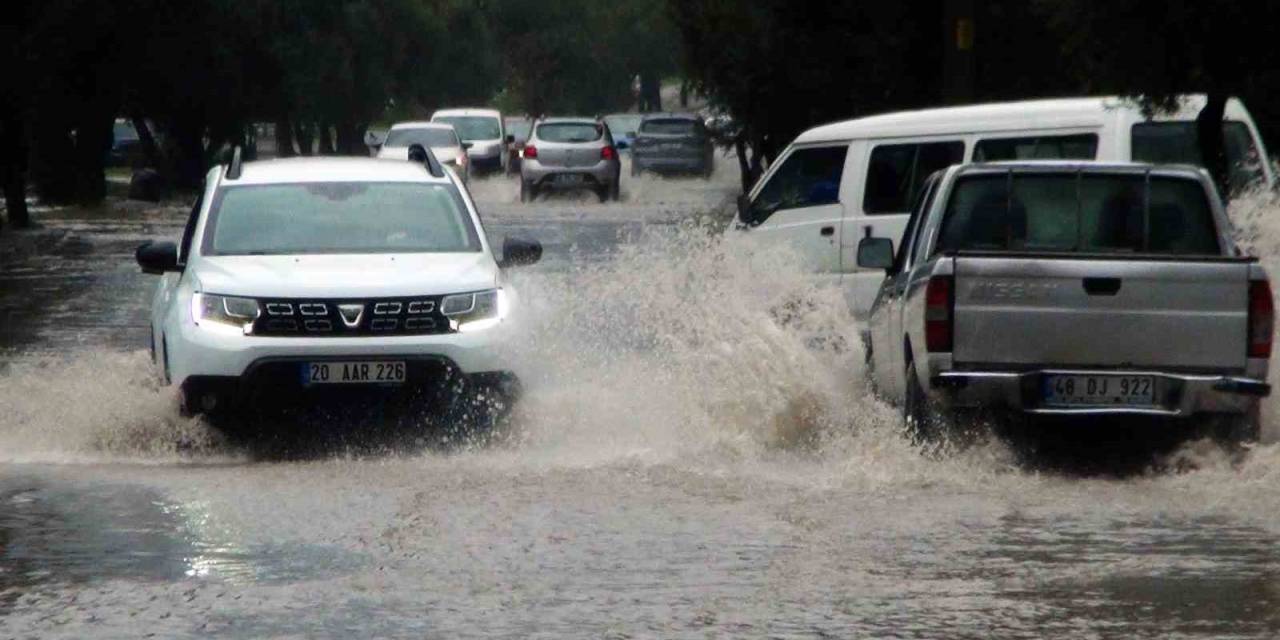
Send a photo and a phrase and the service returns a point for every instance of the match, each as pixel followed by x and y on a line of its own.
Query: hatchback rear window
pixel 570 132
pixel 1079 213
pixel 670 126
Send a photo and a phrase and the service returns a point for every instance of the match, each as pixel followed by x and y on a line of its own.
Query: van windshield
pixel 339 217
pixel 1179 143
pixel 1079 213
pixel 474 127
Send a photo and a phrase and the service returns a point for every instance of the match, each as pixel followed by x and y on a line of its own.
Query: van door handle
pixel 828 231
pixel 1102 286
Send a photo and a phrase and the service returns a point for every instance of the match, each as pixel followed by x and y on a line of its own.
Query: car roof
pixel 421 124
pixel 568 120
pixel 331 169
pixel 1026 114
pixel 492 113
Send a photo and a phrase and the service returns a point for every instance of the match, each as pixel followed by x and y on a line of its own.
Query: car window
pixel 570 132
pixel 1083 146
pixel 914 233
pixel 339 217
pixel 670 126
pixel 1179 143
pixel 896 171
pixel 427 137
pixel 809 177
pixel 473 127
pixel 1079 213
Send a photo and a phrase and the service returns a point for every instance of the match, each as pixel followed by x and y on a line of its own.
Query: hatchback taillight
pixel 529 151
pixel 608 153
pixel 1262 315
pixel 939 299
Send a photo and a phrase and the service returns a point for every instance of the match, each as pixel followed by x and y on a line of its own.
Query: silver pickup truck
pixel 1072 289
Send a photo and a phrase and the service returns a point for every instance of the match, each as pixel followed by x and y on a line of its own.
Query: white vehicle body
pixel 488 152
pixel 314 294
pixel 877 163
pixel 449 149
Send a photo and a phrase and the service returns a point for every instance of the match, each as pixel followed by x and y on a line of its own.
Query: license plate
pixel 568 178
pixel 355 372
pixel 1099 391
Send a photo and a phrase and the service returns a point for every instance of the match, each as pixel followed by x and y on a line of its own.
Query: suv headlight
pixel 224 312
pixel 474 311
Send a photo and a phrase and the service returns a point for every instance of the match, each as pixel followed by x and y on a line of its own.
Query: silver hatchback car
pixel 569 154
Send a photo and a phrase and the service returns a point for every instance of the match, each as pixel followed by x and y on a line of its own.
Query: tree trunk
pixel 326 140
pixel 93 143
pixel 13 168
pixel 188 144
pixel 350 142
pixel 650 93
pixel 306 138
pixel 740 146
pixel 1213 150
pixel 284 137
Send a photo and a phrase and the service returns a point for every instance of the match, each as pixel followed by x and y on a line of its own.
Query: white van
pixel 485 131
pixel 839 183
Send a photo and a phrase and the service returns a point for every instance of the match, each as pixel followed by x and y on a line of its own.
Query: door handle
pixel 827 231
pixel 1102 286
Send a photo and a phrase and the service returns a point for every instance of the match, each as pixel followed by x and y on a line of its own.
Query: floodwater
pixel 682 466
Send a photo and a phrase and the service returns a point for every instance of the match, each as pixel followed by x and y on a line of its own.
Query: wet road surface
pixel 681 467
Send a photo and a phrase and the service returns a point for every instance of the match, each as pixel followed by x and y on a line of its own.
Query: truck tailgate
pixel 1131 312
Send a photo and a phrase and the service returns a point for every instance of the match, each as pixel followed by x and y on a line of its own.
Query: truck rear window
pixel 1079 213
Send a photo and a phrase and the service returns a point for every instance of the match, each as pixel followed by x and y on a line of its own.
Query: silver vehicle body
pixel 1022 318
pixel 453 156
pixel 661 149
pixel 488 152
pixel 550 164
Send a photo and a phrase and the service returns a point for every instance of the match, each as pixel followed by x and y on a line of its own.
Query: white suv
pixel 296 278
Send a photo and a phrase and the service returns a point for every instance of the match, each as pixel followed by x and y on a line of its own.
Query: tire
pixel 480 411
pixel 603 194
pixel 615 190
pixel 1238 432
pixel 527 192
pixel 929 427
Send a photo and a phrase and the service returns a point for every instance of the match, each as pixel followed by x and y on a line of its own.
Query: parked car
pixel 126 145
pixel 570 153
pixel 485 131
pixel 518 132
pixel 673 143
pixel 623 126
pixel 442 139
pixel 837 183
pixel 1070 289
pixel 295 278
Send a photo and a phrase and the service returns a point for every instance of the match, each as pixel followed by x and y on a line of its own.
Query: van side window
pixel 1179 143
pixel 1082 146
pixel 896 172
pixel 809 177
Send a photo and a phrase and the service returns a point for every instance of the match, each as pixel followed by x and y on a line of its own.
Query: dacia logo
pixel 1013 290
pixel 351 314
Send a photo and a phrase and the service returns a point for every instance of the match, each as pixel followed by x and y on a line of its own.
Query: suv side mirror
pixel 875 253
pixel 517 252
pixel 158 258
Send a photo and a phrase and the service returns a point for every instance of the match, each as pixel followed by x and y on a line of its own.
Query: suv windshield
pixel 570 132
pixel 423 136
pixel 339 217
pixel 670 127
pixel 474 127
pixel 1082 213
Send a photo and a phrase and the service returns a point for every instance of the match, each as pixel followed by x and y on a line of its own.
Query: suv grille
pixel 419 315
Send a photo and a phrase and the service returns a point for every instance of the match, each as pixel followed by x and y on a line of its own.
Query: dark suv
pixel 672 143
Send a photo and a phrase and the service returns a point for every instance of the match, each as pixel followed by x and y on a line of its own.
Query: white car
pixel 297 277
pixel 441 139
pixel 485 130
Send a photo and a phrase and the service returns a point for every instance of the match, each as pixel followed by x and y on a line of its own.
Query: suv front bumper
pixel 1176 394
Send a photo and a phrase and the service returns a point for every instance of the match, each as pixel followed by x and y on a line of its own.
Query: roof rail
pixel 419 153
pixel 234 164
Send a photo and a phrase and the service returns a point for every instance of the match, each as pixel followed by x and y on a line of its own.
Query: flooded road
pixel 682 466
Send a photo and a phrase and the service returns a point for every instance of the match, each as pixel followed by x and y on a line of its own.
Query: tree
pixel 1156 50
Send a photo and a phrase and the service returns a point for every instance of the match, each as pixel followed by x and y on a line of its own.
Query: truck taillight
pixel 529 151
pixel 608 153
pixel 939 299
pixel 1262 315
